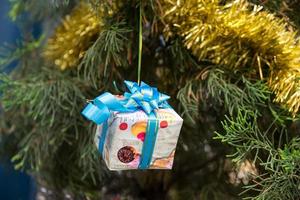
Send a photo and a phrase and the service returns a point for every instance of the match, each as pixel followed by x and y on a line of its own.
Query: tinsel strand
pixel 241 38
pixel 72 38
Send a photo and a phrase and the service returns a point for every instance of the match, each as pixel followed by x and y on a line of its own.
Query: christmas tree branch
pixel 104 54
pixel 9 54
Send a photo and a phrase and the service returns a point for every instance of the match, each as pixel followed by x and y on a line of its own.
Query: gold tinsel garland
pixel 73 37
pixel 235 36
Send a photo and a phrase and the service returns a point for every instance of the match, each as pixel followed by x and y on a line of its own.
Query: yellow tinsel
pixel 72 38
pixel 237 37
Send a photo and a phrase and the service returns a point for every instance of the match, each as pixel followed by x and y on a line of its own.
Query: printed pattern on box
pixel 126 133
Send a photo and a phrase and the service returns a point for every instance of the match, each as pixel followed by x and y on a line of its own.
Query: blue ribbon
pixel 141 97
pixel 103 137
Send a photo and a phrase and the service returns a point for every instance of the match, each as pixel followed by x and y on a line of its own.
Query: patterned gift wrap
pixel 136 130
pixel 125 138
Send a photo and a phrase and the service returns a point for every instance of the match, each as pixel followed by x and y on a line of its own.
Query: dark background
pixel 14 185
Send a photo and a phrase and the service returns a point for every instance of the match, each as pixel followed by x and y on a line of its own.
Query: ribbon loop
pixel 142 97
pixel 97 114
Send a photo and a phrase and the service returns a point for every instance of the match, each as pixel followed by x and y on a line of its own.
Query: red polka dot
pixel 123 126
pixel 141 136
pixel 163 124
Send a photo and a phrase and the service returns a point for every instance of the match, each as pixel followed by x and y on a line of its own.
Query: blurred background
pixel 14 185
pixel 232 87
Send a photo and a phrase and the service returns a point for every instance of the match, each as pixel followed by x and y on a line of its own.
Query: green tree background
pixel 235 143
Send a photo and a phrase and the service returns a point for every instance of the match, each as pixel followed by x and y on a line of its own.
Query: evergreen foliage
pixel 230 117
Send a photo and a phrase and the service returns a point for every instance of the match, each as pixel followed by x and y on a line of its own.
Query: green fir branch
pixel 282 179
pixel 46 96
pixel 41 121
pixel 234 95
pixel 107 51
pixel 217 87
pixel 242 133
pixel 8 54
pixel 280 167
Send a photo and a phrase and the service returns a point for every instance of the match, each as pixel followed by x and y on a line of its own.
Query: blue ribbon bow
pixel 141 97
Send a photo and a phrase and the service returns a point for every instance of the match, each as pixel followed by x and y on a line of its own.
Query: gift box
pixel 138 130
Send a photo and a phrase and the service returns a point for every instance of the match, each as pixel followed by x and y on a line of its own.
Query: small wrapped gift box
pixel 136 131
pixel 126 136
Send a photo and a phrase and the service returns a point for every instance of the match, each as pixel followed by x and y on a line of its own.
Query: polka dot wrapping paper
pixel 125 136
pixel 136 130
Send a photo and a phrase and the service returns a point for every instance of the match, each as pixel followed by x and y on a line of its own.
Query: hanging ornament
pixel 231 35
pixel 138 131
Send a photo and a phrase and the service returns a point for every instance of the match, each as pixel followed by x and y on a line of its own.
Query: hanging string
pixel 140 44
